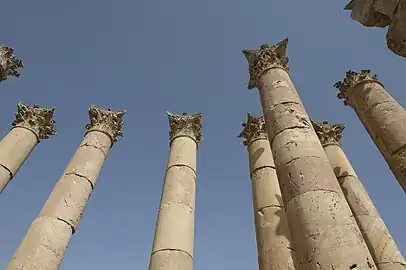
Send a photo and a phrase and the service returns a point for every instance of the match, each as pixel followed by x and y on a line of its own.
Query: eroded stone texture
pixel 66 204
pixel 32 123
pixel 9 63
pixel 324 233
pixel 274 243
pixel 382 116
pixel 396 36
pixel 174 234
pixel 382 13
pixel 380 243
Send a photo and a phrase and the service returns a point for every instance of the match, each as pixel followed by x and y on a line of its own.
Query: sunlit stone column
pixel 380 243
pixel 46 241
pixel 324 233
pixel 32 124
pixel 9 63
pixel 274 241
pixel 383 117
pixel 174 234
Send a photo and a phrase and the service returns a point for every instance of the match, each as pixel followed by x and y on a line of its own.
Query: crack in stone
pixel 172 249
pixel 162 206
pixel 260 211
pixel 8 170
pixel 261 167
pixel 70 225
pixel 81 176
pixel 87 144
pixel 181 165
pixel 294 127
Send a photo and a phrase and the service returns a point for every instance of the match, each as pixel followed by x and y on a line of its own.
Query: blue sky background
pixel 148 57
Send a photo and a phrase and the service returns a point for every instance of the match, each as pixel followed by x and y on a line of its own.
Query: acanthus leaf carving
pixel 38 120
pixel 267 57
pixel 254 129
pixel 9 63
pixel 328 133
pixel 351 79
pixel 106 121
pixel 185 125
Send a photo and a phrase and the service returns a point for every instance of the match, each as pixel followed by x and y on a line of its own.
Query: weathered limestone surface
pixel 9 63
pixel 48 237
pixel 174 234
pixel 324 233
pixel 377 236
pixel 382 13
pixel 274 241
pixel 383 117
pixel 32 124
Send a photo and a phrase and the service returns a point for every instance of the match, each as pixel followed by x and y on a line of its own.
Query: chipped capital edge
pixel 254 129
pixel 9 63
pixel 38 120
pixel 265 58
pixel 184 125
pixel 328 134
pixel 351 80
pixel 106 121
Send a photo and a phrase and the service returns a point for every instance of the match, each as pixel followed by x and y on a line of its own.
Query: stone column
pixel 174 234
pixel 383 117
pixel 9 63
pixel 324 233
pixel 274 241
pixel 380 243
pixel 46 241
pixel 32 124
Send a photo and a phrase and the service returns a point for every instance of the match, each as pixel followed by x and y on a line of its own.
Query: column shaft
pixel 48 237
pixel 383 117
pixel 377 236
pixel 174 235
pixel 32 124
pixel 15 148
pixel 324 233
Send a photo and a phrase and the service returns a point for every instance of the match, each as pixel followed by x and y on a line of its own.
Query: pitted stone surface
pixel 9 63
pixel 43 247
pixel 396 36
pixel 185 125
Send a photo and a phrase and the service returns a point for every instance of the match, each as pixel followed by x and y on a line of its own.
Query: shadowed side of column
pixel 324 233
pixel 377 236
pixel 31 125
pixel 382 116
pixel 48 237
pixel 174 234
pixel 274 243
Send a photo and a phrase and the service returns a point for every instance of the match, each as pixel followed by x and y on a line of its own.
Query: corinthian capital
pixel 9 63
pixel 39 120
pixel 254 129
pixel 267 57
pixel 351 79
pixel 107 121
pixel 328 134
pixel 185 125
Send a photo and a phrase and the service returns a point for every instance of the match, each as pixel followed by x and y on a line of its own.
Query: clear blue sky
pixel 148 57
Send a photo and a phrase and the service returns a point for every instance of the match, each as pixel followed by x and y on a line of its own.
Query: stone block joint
pixel 106 121
pixel 254 129
pixel 267 57
pixel 186 126
pixel 328 133
pixel 39 120
pixel 9 63
pixel 351 80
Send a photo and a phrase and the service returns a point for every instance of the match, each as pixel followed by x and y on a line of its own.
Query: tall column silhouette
pixel 9 63
pixel 274 245
pixel 377 236
pixel 174 234
pixel 324 233
pixel 46 241
pixel 382 116
pixel 31 125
